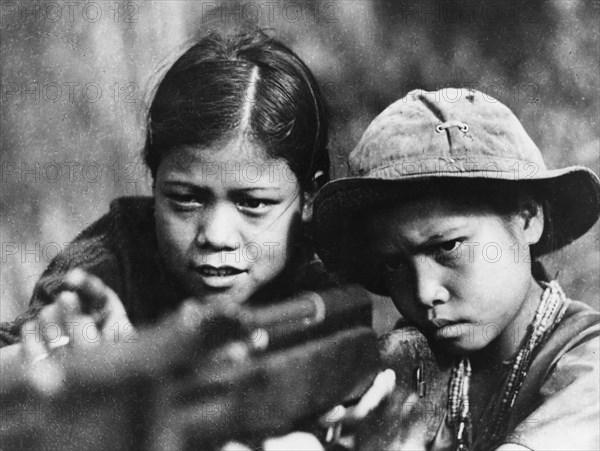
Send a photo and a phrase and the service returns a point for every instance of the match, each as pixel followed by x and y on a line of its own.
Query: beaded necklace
pixel 550 311
pixel 459 415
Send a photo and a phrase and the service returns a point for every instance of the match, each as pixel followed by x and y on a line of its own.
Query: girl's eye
pixel 186 201
pixel 253 203
pixel 255 206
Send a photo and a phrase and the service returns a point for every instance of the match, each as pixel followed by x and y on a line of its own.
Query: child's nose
pixel 430 289
pixel 219 228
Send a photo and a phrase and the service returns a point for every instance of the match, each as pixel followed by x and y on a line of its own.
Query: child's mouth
pixel 222 277
pixel 439 323
pixel 222 271
pixel 445 329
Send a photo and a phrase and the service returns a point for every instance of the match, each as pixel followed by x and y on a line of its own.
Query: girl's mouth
pixel 222 271
pixel 222 277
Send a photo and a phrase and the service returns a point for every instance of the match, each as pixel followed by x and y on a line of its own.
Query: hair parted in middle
pixel 246 83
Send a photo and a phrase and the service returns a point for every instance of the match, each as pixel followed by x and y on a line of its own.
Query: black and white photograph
pixel 300 225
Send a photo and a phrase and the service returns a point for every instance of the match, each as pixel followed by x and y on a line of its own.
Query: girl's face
pixel 227 218
pixel 458 273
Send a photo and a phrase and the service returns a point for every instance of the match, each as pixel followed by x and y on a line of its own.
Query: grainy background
pixel 74 77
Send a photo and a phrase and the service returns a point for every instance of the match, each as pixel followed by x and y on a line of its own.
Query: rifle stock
pixel 221 374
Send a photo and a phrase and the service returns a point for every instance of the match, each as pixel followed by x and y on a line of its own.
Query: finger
pixel 98 299
pixel 334 416
pixel 33 345
pixel 86 331
pixel 115 316
pixel 294 441
pixel 44 375
pixel 90 289
pixel 235 446
pixel 50 325
pixel 69 309
pixel 331 423
pixel 382 386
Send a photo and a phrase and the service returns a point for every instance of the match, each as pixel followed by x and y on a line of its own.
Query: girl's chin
pixel 215 295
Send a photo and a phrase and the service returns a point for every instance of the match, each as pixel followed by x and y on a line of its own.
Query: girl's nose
pixel 218 229
pixel 429 285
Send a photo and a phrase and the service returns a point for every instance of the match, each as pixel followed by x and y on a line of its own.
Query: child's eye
pixel 450 246
pixel 448 250
pixel 394 263
pixel 254 206
pixel 186 201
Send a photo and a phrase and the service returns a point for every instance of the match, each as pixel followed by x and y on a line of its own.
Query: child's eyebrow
pixel 404 244
pixel 274 190
pixel 439 236
pixel 176 183
pixel 258 188
pixel 182 184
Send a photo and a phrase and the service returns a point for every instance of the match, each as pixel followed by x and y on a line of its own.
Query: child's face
pixel 227 218
pixel 458 273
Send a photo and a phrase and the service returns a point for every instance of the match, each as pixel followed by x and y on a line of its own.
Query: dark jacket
pixel 121 249
pixel 557 407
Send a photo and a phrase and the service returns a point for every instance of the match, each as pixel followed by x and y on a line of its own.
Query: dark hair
pixel 501 196
pixel 244 83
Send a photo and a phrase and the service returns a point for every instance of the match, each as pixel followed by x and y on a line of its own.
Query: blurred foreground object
pixel 206 375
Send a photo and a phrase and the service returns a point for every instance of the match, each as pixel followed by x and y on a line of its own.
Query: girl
pixel 447 210
pixel 236 145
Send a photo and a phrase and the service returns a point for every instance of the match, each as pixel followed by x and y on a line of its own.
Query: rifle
pixel 198 379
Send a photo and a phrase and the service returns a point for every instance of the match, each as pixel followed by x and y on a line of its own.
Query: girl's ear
pixel 307 206
pixel 317 182
pixel 532 219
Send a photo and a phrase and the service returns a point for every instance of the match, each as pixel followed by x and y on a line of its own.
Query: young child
pixel 236 145
pixel 447 208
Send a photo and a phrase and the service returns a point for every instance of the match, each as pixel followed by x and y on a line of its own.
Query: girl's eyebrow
pixel 181 184
pixel 175 183
pixel 258 188
pixel 185 184
pixel 267 190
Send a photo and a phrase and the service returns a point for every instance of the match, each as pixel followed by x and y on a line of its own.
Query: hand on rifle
pixel 343 418
pixel 333 422
pixel 86 312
